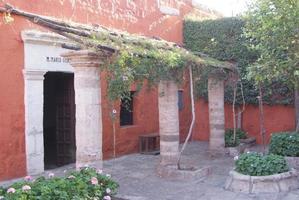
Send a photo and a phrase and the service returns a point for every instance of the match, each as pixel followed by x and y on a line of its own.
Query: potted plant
pixel 257 173
pixel 286 144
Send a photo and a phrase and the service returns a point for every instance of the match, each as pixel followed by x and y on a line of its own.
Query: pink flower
pixel 26 188
pixel 94 181
pixel 99 171
pixel 11 190
pixel 107 198
pixel 108 191
pixel 51 175
pixel 28 178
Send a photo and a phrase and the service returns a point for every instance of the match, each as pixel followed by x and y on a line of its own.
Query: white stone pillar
pixel 216 114
pixel 88 107
pixel 168 122
pixel 34 105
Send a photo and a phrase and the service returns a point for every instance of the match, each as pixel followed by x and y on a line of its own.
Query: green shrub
pixel 255 164
pixel 285 144
pixel 229 137
pixel 84 184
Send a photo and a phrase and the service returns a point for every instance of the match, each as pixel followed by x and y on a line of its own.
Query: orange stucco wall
pixel 138 16
pixel 276 118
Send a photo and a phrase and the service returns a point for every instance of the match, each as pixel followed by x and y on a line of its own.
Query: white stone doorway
pixel 42 55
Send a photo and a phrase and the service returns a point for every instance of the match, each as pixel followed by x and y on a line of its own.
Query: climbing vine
pixel 139 59
pixel 132 59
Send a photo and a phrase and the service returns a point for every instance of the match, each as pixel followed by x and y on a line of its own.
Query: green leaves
pixel 77 185
pixel 285 144
pixel 255 164
pixel 224 39
pixel 153 66
pixel 272 30
pixel 229 137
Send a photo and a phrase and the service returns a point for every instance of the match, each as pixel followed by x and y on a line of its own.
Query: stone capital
pixel 84 58
pixel 34 75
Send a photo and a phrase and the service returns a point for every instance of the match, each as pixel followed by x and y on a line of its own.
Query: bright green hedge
pixel 222 39
pixel 255 164
pixel 285 144
pixel 78 185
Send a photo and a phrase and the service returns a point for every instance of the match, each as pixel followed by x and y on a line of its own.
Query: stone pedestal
pixel 88 107
pixel 168 122
pixel 216 115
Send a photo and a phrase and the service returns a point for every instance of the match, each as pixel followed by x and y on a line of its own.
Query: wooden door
pixel 65 120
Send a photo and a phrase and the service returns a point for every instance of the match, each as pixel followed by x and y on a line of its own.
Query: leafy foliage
pixel 84 184
pixel 223 39
pixel 285 144
pixel 272 30
pixel 229 137
pixel 255 164
pixel 139 58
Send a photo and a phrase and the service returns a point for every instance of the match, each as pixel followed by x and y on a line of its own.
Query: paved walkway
pixel 139 181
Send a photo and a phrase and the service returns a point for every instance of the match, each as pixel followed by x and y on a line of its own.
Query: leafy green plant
pixel 84 184
pixel 285 144
pixel 255 164
pixel 229 137
pixel 223 39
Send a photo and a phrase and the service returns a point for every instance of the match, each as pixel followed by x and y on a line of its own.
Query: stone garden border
pixel 293 162
pixel 276 183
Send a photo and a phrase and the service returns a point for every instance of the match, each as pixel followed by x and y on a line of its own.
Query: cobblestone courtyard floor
pixel 138 179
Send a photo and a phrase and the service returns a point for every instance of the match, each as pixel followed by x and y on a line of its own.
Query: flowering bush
pixel 229 137
pixel 285 144
pixel 84 184
pixel 255 164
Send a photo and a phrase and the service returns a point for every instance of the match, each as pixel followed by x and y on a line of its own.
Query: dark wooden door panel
pixel 65 121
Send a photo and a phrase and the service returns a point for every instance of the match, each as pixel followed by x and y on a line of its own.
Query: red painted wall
pixel 277 118
pixel 138 16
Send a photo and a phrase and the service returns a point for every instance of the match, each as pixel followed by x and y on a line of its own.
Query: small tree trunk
pixel 296 104
pixel 234 112
pixel 262 125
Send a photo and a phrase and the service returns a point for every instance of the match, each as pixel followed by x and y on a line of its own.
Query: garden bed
pixel 282 182
pixel 286 144
pixel 86 183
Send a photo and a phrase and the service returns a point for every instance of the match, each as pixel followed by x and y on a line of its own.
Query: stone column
pixel 168 122
pixel 34 105
pixel 88 107
pixel 216 114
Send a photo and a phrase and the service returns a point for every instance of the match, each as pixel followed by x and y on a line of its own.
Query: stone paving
pixel 138 179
